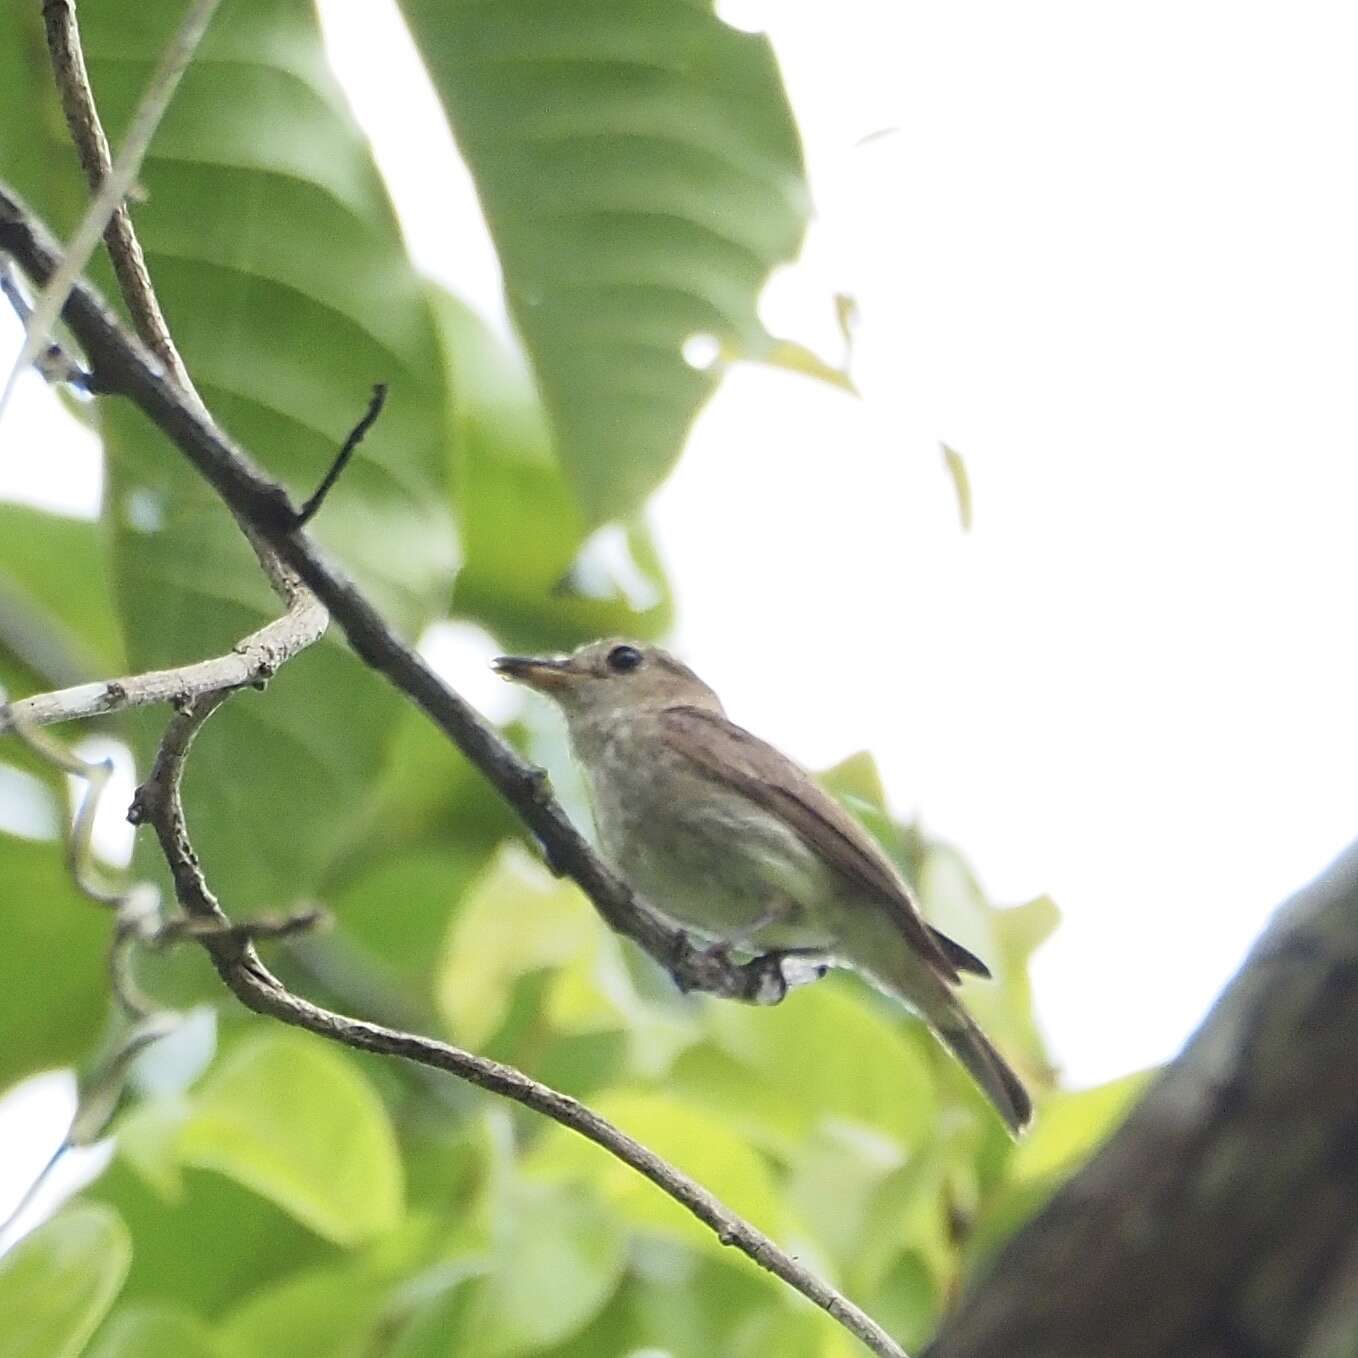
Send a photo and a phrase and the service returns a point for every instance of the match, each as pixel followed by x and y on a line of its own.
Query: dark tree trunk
pixel 1221 1220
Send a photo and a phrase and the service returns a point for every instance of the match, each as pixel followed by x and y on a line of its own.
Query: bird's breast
pixel 705 854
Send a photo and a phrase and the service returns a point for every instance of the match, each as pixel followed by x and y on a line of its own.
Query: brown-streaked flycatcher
pixel 727 837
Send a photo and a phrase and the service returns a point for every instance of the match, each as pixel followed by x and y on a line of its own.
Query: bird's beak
pixel 539 672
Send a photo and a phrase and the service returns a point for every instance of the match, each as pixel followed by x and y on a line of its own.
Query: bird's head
pixel 610 678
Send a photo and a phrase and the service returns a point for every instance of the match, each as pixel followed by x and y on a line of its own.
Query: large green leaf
pixel 430 798
pixel 798 1053
pixel 142 1331
pixel 284 278
pixel 54 586
pixel 296 1122
pixel 53 978
pixel 559 1256
pixel 520 525
pixel 36 155
pixel 641 174
pixel 516 919
pixel 252 1241
pixel 56 1285
pixel 677 1302
pixel 319 1313
pixel 396 914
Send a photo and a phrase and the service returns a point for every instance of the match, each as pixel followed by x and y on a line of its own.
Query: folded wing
pixel 754 768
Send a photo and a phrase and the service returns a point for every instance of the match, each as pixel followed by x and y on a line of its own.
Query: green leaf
pixel 1073 1124
pixel 908 1302
pixel 559 1256
pixel 148 1141
pixel 912 1212
pixel 640 172
pixel 53 574
pixel 430 797
pixel 595 993
pixel 396 914
pixel 36 155
pixel 296 1122
pixel 278 261
pixel 57 1284
pixel 801 1049
pixel 517 919
pixel 520 526
pixel 961 483
pixel 322 1313
pixel 252 1240
pixel 788 1333
pixel 676 1302
pixel 857 783
pixel 834 1182
pixel 160 1331
pixel 53 977
pixel 703 1146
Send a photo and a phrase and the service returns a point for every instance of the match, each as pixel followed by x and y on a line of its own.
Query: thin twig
pixel 356 436
pixel 250 663
pixel 87 132
pixel 158 804
pixel 53 362
pixel 135 906
pixel 95 774
pixel 188 928
pixel 129 262
pixel 119 178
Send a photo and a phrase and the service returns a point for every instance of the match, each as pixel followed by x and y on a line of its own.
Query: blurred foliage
pixel 641 174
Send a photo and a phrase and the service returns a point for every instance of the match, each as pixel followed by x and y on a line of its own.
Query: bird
pixel 728 838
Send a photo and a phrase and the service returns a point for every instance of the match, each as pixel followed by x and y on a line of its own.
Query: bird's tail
pixel 960 1034
pixel 890 961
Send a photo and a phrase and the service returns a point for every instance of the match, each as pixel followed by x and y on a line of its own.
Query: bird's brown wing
pixel 754 768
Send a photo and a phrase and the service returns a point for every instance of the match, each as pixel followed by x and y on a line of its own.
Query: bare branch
pixel 158 804
pixel 115 181
pixel 251 662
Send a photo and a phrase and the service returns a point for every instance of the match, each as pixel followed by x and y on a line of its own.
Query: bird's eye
pixel 621 659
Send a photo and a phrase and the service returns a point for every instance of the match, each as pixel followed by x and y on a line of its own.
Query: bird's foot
pixel 781 972
pixel 687 953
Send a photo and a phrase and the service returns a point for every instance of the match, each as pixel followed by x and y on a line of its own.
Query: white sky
pixel 1107 253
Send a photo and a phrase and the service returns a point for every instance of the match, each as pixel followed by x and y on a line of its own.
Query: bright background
pixel 1107 254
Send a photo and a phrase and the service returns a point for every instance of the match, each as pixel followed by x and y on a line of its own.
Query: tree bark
pixel 1221 1219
